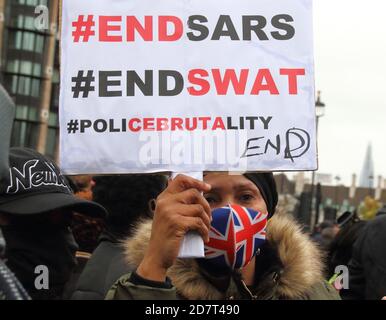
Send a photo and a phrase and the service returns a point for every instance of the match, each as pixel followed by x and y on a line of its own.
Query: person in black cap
pixel 282 263
pixel 36 204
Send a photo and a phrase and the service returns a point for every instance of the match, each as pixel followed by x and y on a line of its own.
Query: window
pixel 13 66
pixel 28 41
pixel 52 136
pixel 21 113
pixel 39 44
pixel 25 40
pixel 53 119
pixel 24 86
pixel 24 134
pixel 35 88
pixel 24 67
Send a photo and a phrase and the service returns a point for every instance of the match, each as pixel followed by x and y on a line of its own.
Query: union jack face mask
pixel 236 234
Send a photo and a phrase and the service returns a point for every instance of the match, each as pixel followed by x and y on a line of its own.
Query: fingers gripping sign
pixel 192 246
pixel 181 222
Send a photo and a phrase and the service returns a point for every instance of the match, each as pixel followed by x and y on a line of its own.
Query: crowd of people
pixel 118 237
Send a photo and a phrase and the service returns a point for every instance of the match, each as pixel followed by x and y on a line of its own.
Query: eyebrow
pixel 237 187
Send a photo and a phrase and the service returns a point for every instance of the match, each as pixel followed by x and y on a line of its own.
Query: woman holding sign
pixel 251 252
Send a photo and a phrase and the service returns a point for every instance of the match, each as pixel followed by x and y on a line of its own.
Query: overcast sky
pixel 350 62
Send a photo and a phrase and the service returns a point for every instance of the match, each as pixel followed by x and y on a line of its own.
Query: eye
pixel 246 197
pixel 212 199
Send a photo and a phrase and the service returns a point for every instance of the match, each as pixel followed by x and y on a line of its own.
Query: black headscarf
pixel 267 186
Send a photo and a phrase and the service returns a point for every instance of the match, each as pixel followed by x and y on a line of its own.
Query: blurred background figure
pixel 324 233
pixel 340 250
pixel 82 186
pixel 127 199
pixel 367 267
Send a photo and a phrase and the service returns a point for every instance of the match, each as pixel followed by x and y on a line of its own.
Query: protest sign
pixel 182 86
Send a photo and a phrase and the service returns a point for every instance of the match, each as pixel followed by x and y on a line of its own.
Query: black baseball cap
pixel 35 185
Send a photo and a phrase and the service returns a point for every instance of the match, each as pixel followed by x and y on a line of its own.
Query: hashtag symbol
pixel 83 28
pixel 72 126
pixel 83 84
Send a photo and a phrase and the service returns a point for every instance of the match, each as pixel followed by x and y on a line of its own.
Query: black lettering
pixel 105 83
pixel 112 129
pixel 204 31
pixel 252 121
pixel 164 91
pixel 124 125
pixel 229 124
pixel 246 154
pixel 241 123
pixel 133 80
pixel 229 31
pixel 290 30
pixel 103 123
pixel 84 124
pixel 257 28
pixel 265 122
pixel 304 143
pixel 270 144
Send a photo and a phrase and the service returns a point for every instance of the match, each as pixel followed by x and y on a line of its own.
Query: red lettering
pixel 146 31
pixel 218 124
pixel 148 124
pixel 105 27
pixel 176 124
pixel 292 78
pixel 191 126
pixel 194 80
pixel 204 121
pixel 131 125
pixel 162 124
pixel 163 22
pixel 264 74
pixel 238 83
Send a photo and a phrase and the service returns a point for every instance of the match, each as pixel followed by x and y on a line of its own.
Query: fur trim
pixel 302 260
pixel 300 257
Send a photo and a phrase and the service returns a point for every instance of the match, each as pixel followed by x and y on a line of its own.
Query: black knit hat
pixel 267 186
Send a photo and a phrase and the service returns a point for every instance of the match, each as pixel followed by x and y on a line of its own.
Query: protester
pixel 82 185
pixel 367 268
pixel 127 200
pixel 36 205
pixel 286 266
pixel 86 231
pixel 324 233
pixel 340 250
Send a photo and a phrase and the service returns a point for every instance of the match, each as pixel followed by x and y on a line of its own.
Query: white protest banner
pixel 182 85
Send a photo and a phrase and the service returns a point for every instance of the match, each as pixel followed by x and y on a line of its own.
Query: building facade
pixel 30 71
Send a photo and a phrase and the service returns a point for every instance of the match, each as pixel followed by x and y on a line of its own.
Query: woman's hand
pixel 180 208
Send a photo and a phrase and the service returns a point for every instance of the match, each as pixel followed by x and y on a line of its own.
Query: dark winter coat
pixel 367 268
pixel 106 265
pixel 290 268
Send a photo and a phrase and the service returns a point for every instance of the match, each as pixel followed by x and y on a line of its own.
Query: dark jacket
pixel 340 251
pixel 10 287
pixel 106 265
pixel 290 267
pixel 367 268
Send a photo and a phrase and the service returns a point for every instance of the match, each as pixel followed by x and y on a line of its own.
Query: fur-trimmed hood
pixel 300 260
